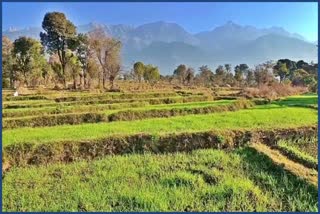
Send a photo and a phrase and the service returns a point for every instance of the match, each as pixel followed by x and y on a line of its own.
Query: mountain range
pixel 168 44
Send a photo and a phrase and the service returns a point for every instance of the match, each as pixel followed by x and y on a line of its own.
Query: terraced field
pixel 166 151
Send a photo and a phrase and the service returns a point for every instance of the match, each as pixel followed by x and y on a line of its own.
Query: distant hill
pixel 168 44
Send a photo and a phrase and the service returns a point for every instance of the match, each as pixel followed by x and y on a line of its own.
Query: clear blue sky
pixel 299 18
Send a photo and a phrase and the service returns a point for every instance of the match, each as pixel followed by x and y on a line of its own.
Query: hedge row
pixel 35 154
pixel 95 117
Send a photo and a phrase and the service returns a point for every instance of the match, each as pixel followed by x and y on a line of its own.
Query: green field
pixel 262 117
pixel 205 180
pixel 69 167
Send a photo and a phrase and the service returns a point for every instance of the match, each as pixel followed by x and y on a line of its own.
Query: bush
pixel 273 92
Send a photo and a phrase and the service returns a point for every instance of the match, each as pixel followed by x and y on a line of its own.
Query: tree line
pixel 62 55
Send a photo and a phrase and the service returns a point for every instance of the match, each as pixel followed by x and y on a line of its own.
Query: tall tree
pixel 83 53
pixel 58 37
pixel 29 58
pixel 107 51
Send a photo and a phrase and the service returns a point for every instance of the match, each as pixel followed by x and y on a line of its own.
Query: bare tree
pixel 107 51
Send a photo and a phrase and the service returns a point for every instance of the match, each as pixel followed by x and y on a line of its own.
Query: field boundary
pixel 25 154
pixel 121 115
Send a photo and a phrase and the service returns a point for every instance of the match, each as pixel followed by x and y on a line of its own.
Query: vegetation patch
pixel 293 152
pixel 78 118
pixel 202 180
pixel 259 117
pixel 66 151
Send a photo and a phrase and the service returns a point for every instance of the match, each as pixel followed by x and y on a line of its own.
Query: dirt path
pixel 308 174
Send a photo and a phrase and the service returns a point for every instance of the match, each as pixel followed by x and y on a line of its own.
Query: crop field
pixel 159 151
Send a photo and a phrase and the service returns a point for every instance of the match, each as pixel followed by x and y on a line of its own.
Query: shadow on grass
pixel 283 184
pixel 305 100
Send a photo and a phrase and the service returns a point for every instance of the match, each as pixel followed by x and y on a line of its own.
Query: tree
pixel 240 72
pixel 74 67
pixel 262 75
pixel 189 75
pixel 180 72
pixel 138 69
pixel 250 78
pixel 92 70
pixel 83 52
pixel 220 76
pixel 151 74
pixel 206 75
pixel 8 75
pixel 28 58
pixel 58 37
pixel 281 70
pixel 227 67
pixel 107 51
pixel 113 67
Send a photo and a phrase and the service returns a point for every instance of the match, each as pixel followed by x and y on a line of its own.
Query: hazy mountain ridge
pixel 168 44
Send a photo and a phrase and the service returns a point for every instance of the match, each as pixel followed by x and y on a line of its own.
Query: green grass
pixel 298 100
pixel 304 151
pixel 267 117
pixel 139 106
pixel 204 180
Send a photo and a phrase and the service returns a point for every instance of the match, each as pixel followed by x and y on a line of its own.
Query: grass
pixel 24 112
pixel 203 180
pixel 299 150
pixel 50 103
pixel 266 117
pixel 301 100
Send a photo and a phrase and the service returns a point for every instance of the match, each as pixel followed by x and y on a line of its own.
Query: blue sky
pixel 297 17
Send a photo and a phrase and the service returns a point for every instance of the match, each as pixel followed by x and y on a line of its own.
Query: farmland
pixel 173 150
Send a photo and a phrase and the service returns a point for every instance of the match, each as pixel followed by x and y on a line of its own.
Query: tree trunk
pixel 81 76
pixel 103 81
pixel 64 76
pixel 74 81
pixel 111 79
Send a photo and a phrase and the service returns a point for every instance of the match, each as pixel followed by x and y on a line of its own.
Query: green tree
pixel 58 37
pixel 281 71
pixel 74 67
pixel 29 59
pixel 83 53
pixel 227 67
pixel 8 75
pixel 151 74
pixel 139 69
